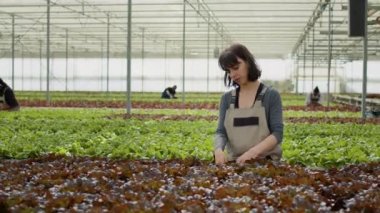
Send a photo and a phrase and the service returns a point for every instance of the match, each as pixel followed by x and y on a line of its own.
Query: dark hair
pixel 2 83
pixel 229 58
pixel 316 90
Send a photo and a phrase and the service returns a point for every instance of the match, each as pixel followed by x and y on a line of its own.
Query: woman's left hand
pixel 248 155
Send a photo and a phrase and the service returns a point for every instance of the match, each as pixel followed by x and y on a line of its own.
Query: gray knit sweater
pixel 273 111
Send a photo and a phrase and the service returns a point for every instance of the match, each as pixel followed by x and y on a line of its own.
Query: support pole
pixel 304 66
pixel 75 67
pixel 365 59
pixel 297 72
pixel 312 60
pixel 208 55
pixel 108 52
pixel 335 76
pixel 329 55
pixel 129 40
pixel 67 58
pixel 183 50
pixel 48 54
pixel 13 51
pixel 40 65
pixel 22 67
pixel 142 59
pixel 102 64
pixel 166 58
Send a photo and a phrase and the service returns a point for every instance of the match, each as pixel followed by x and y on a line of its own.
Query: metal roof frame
pixel 271 29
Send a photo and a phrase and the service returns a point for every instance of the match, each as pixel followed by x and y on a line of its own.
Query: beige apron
pixel 246 128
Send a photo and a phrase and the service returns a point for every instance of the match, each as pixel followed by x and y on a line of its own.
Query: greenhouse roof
pixel 270 28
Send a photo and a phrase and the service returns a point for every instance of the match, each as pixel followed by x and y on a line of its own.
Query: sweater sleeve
pixel 273 107
pixel 10 98
pixel 220 139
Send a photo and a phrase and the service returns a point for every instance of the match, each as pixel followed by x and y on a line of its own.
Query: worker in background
pixel 314 98
pixel 7 98
pixel 169 92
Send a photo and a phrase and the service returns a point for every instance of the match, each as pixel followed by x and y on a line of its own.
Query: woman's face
pixel 239 72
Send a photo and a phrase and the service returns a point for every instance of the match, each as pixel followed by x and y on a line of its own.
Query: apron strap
pixel 261 95
pixel 233 99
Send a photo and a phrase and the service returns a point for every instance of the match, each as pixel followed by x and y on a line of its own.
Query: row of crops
pixel 289 99
pixel 83 153
pixel 33 132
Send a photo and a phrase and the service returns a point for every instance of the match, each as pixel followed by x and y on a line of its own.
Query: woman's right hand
pixel 220 157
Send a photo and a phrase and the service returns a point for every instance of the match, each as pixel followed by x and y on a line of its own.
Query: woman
pixel 7 98
pixel 250 116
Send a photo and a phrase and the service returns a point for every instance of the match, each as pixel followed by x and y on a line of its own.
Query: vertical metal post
pixel 67 57
pixel 329 55
pixel 304 65
pixel 166 44
pixel 183 50
pixel 102 64
pixel 312 60
pixel 335 75
pixel 297 72
pixel 75 68
pixel 220 48
pixel 352 76
pixel 108 52
pixel 208 55
pixel 13 51
pixel 142 59
pixel 48 54
pixel 365 58
pixel 22 67
pixel 40 65
pixel 129 40
pixel 221 37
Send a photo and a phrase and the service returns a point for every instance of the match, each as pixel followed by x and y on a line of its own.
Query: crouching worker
pixel 314 98
pixel 169 92
pixel 7 98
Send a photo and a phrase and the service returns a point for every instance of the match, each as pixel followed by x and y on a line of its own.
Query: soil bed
pixel 311 120
pixel 167 105
pixel 82 184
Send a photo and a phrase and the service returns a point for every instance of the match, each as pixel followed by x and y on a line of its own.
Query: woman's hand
pixel 259 150
pixel 248 155
pixel 220 157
